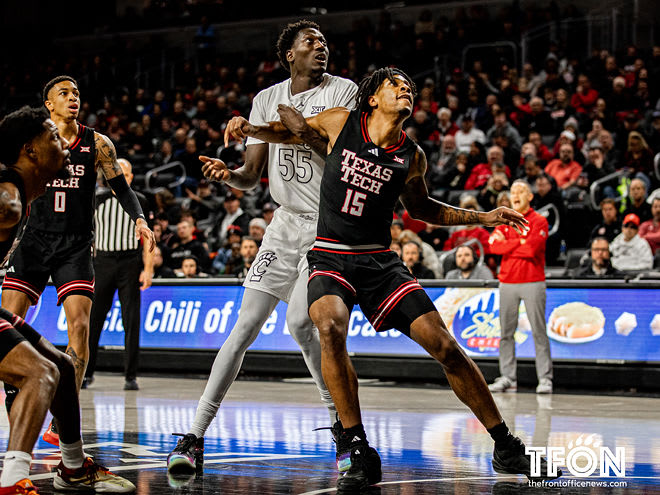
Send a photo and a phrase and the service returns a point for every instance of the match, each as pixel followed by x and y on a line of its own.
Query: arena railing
pixel 545 211
pixel 596 186
pixel 151 174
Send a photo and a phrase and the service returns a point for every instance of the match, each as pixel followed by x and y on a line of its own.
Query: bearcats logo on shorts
pixel 259 266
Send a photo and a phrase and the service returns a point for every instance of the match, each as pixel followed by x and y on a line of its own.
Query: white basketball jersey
pixel 294 171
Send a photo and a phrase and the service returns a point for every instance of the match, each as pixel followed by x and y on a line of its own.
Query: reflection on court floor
pixel 264 440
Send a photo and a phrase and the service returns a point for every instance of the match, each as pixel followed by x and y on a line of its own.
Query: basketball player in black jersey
pixel 30 143
pixel 371 163
pixel 58 239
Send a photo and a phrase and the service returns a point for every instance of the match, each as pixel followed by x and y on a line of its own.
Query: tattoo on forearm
pixel 78 364
pixel 458 216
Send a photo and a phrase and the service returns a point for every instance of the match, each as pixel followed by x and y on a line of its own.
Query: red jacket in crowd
pixel 523 256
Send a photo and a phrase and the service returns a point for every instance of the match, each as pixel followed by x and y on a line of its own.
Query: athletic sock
pixel 16 467
pixel 500 434
pixel 73 455
pixel 205 414
pixel 354 431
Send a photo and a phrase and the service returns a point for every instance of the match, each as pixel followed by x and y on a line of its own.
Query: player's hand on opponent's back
pixel 239 128
pixel 214 169
pixel 505 216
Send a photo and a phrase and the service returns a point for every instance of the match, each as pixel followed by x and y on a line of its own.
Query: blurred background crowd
pixel 579 120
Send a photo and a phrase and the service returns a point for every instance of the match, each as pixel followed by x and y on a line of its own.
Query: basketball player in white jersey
pixel 279 272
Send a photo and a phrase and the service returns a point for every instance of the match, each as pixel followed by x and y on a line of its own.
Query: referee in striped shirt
pixel 120 264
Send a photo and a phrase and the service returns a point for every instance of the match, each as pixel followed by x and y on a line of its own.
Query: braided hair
pixel 370 84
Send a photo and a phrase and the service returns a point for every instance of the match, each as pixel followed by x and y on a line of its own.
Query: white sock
pixel 16 467
pixel 73 455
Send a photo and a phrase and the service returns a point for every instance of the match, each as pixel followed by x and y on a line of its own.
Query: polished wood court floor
pixel 264 442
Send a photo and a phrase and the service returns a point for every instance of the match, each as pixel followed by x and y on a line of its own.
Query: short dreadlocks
pixel 288 36
pixel 370 84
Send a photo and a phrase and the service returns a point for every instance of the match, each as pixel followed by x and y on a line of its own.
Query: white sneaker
pixel 544 386
pixel 503 384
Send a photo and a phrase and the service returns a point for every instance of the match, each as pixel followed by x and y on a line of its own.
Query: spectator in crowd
pixel 599 264
pixel 468 134
pixel 428 257
pixel 497 183
pixel 596 167
pixel 396 247
pixel 434 236
pixel 584 98
pixel 454 174
pixel 446 127
pixel 204 202
pixel 467 266
pixel 503 126
pixel 224 254
pixel 530 170
pixel 396 228
pixel 480 174
pixel 650 230
pixel 609 227
pixel 257 229
pixel 537 120
pixel 161 270
pixel 248 252
pixel 612 157
pixel 190 268
pixel 503 199
pixel 629 251
pixel 639 156
pixel 542 153
pixel 267 212
pixel 636 201
pixel 522 277
pixel 565 170
pixel 234 215
pixel 411 254
pixel 186 246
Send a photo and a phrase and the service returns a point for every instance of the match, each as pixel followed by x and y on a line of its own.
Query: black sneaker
pixel 187 456
pixel 364 468
pixel 513 460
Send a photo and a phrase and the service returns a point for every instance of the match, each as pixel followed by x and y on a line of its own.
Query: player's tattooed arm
pixel 106 156
pixel 415 198
pixel 10 205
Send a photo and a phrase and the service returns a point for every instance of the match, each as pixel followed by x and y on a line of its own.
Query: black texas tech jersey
pixel 68 205
pixel 361 184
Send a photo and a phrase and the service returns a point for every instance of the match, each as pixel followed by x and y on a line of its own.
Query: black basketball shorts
pixel 66 258
pixel 13 331
pixel 388 294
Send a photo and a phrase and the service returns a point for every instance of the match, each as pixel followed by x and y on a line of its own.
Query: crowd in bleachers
pixel 560 123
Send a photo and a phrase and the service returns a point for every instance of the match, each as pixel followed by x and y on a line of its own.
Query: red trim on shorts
pixel 392 300
pixel 5 325
pixel 326 239
pixel 21 286
pixel 350 252
pixel 336 276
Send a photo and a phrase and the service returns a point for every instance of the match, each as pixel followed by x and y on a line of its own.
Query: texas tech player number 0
pixel 60 201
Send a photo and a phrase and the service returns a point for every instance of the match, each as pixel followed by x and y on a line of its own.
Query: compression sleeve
pixel 126 197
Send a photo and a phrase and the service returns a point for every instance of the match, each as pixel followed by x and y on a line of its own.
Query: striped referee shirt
pixel 115 231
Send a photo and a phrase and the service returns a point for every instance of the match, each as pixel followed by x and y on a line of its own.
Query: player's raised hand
pixel 506 216
pixel 214 169
pixel 239 128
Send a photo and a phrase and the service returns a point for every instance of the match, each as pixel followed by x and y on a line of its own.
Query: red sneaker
pixel 51 436
pixel 24 486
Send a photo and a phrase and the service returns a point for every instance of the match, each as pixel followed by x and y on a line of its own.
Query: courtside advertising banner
pixel 591 324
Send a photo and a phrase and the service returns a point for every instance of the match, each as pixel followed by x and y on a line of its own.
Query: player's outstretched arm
pixel 297 124
pixel 106 160
pixel 245 177
pixel 10 206
pixel 272 132
pixel 415 198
